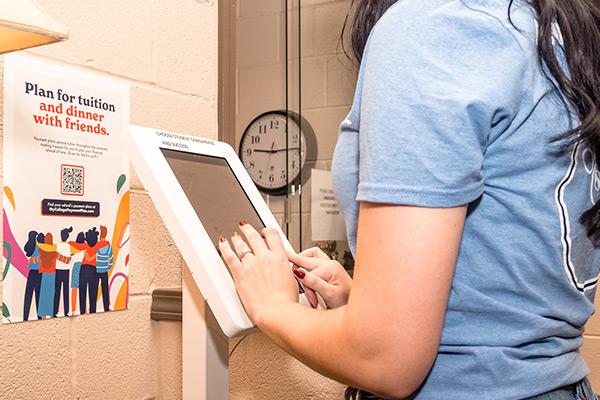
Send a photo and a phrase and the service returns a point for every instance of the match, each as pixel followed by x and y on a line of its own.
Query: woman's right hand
pixel 325 276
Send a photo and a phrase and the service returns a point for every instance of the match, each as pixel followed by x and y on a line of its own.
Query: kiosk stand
pixel 205 348
pixel 201 190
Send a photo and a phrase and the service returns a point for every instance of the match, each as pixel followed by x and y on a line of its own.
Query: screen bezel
pixel 207 268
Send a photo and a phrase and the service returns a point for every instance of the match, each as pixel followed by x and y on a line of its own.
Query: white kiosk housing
pixel 202 190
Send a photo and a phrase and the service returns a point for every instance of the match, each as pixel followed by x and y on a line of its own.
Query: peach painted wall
pixel 167 51
pixel 259 369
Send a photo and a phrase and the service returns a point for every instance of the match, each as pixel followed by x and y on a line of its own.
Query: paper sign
pixel 66 191
pixel 327 222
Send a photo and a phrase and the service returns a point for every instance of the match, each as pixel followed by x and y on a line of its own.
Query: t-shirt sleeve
pixel 436 83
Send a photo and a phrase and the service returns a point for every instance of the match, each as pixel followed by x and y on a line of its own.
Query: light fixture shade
pixel 24 24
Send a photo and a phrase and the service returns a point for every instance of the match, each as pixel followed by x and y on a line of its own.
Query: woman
pixel 88 285
pixel 34 279
pixel 77 259
pixel 467 175
pixel 56 261
pixel 63 269
pixel 48 272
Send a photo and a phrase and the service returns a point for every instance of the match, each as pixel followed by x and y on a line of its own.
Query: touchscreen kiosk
pixel 202 190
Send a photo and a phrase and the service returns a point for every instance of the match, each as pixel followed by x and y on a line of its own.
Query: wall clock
pixel 263 150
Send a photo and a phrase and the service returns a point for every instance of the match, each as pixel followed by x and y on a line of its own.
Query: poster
pixel 66 192
pixel 327 222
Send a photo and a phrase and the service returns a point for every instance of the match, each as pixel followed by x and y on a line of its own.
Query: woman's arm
pixel 79 246
pixel 74 250
pixel 386 338
pixel 46 247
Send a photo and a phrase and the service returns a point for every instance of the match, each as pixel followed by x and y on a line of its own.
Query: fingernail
pixel 235 234
pixel 221 238
pixel 242 223
pixel 299 273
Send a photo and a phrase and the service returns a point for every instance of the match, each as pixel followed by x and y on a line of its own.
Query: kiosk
pixel 202 190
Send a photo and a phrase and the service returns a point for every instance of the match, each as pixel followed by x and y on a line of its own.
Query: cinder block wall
pixel 591 348
pixel 167 51
pixel 326 76
pixel 259 369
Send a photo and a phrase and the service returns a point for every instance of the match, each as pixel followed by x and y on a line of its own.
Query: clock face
pixel 263 151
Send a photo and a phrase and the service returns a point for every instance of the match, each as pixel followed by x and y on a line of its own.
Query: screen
pixel 215 194
pixel 214 191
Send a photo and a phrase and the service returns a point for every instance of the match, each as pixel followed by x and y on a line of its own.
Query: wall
pixel 591 348
pixel 260 370
pixel 327 79
pixel 167 51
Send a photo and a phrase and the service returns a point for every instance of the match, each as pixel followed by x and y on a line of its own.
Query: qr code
pixel 71 180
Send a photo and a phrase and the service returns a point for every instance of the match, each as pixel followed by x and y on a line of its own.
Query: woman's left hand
pixel 260 269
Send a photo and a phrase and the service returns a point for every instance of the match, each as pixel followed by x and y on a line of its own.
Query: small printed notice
pixel 327 221
pixel 66 191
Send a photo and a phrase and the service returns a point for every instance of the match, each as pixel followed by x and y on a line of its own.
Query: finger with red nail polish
pixel 299 273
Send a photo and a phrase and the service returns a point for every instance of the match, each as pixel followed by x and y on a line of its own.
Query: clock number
pixel 271 178
pixel 248 152
pixel 293 164
pixel 274 124
pixel 282 174
pixel 252 164
pixel 255 139
pixel 262 129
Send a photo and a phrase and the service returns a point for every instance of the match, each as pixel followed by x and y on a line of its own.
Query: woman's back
pixel 452 108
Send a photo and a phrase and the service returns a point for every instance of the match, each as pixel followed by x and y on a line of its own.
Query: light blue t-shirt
pixel 452 108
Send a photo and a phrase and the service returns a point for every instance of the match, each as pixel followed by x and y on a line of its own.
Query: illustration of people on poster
pixel 66 191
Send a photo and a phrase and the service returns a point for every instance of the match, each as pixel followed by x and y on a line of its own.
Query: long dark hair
pixel 30 245
pixel 579 22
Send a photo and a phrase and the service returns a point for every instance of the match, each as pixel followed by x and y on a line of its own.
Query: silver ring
pixel 243 253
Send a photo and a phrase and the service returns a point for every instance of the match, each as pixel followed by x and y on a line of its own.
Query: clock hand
pixel 269 159
pixel 275 151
